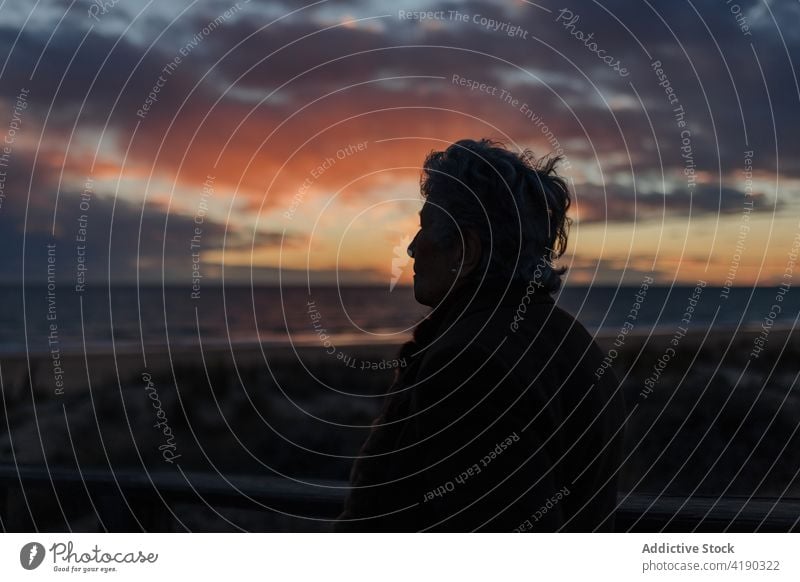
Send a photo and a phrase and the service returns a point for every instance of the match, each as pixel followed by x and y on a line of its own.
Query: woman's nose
pixel 412 246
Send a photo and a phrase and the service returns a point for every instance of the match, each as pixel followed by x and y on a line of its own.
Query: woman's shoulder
pixel 510 338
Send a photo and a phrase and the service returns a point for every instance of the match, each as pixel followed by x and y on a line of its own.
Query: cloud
pixel 114 238
pixel 621 204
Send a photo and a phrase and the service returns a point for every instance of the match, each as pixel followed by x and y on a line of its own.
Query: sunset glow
pixel 312 127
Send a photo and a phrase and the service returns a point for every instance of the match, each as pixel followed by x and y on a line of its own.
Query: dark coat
pixel 502 421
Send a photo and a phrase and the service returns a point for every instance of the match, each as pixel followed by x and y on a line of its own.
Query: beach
pixel 709 419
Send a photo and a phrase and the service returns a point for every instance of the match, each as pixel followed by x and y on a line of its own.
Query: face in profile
pixel 436 264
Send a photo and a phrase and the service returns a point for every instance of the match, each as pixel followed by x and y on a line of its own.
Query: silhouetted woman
pixel 503 419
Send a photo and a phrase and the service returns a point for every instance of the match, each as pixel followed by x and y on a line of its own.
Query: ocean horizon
pixel 354 314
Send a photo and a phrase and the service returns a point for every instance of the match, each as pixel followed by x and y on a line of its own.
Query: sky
pixel 281 142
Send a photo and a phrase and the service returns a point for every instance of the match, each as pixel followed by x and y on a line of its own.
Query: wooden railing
pixel 137 501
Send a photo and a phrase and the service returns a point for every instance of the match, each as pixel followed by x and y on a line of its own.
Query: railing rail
pixel 130 500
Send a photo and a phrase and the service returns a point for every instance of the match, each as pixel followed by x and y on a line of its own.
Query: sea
pixel 100 319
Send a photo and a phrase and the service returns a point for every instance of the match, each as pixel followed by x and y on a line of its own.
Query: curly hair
pixel 516 203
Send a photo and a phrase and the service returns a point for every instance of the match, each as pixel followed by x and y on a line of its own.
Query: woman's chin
pixel 420 293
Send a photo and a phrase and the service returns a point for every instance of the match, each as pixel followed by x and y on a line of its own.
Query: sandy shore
pixel 714 420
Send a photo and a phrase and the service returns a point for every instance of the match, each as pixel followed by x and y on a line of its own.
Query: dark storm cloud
pixel 297 57
pixel 619 204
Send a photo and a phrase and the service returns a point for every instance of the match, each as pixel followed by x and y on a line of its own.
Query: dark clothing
pixel 502 421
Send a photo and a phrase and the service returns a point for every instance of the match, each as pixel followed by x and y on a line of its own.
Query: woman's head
pixel 488 213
